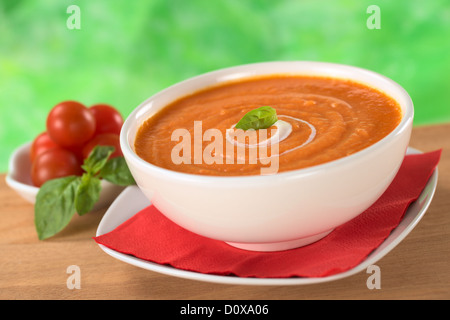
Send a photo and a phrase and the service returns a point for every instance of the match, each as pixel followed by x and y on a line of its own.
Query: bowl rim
pixel 406 121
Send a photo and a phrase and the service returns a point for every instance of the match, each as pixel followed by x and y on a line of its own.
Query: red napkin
pixel 150 236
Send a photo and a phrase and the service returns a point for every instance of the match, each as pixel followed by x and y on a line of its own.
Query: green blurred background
pixel 127 50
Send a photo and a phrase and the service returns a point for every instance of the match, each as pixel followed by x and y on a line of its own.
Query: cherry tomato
pixel 106 139
pixel 70 124
pixel 77 151
pixel 107 118
pixel 54 163
pixel 40 144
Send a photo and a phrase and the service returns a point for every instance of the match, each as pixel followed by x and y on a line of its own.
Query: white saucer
pixel 132 200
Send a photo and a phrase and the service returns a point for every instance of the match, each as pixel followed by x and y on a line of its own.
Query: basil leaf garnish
pixel 88 193
pixel 59 199
pixel 97 159
pixel 117 172
pixel 54 206
pixel 261 118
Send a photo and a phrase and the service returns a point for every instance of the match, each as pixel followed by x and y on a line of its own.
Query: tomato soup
pixel 319 120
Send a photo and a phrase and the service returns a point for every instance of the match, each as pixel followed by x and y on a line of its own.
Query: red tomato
pixel 70 124
pixel 106 139
pixel 40 144
pixel 78 151
pixel 54 163
pixel 107 118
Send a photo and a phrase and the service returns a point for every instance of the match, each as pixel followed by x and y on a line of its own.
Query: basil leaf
pixel 261 118
pixel 54 205
pixel 97 159
pixel 88 193
pixel 117 172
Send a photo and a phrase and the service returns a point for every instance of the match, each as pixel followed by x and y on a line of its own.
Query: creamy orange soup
pixel 322 119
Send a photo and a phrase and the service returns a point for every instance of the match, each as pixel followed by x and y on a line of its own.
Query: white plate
pixel 132 200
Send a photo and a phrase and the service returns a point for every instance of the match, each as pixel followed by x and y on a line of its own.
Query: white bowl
pixel 19 179
pixel 272 212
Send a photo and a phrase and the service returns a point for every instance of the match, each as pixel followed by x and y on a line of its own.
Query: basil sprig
pixel 260 118
pixel 59 199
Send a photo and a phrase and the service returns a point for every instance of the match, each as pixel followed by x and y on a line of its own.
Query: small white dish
pixel 132 200
pixel 19 179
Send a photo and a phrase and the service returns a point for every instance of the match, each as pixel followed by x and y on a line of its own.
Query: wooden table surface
pixel 418 268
